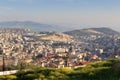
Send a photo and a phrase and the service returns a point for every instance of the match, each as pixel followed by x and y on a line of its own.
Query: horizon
pixel 73 13
pixel 49 24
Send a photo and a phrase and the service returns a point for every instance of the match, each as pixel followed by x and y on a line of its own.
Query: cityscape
pixel 19 48
pixel 59 40
pixel 57 50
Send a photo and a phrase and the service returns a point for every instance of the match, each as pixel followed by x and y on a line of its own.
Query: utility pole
pixel 3 58
pixel 3 62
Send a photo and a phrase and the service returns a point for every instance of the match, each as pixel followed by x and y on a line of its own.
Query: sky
pixel 83 13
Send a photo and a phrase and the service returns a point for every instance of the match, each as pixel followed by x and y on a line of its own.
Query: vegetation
pixel 105 70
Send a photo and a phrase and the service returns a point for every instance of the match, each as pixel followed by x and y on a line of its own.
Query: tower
pixel 71 51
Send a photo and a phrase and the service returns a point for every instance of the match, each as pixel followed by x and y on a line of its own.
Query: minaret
pixel 71 51
pixel 67 60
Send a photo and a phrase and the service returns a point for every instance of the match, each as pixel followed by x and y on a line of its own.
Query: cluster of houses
pixel 19 45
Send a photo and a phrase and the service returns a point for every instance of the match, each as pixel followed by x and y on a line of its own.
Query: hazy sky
pixel 88 13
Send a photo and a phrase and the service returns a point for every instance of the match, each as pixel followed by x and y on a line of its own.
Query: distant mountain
pixel 92 31
pixel 35 26
pixel 107 31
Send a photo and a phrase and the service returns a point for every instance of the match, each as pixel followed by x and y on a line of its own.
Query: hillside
pixel 105 70
pixel 35 26
pixel 92 31
pixel 59 37
pixel 86 34
pixel 107 31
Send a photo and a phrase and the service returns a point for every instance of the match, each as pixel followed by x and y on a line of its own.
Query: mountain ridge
pixel 93 31
pixel 27 24
pixel 37 26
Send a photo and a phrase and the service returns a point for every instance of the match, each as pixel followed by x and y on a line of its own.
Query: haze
pixel 83 13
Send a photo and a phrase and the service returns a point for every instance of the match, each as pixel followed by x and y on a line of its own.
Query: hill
pixel 92 31
pixel 107 31
pixel 35 26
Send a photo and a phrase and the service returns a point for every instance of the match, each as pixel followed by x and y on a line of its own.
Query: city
pixel 59 39
pixel 23 45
